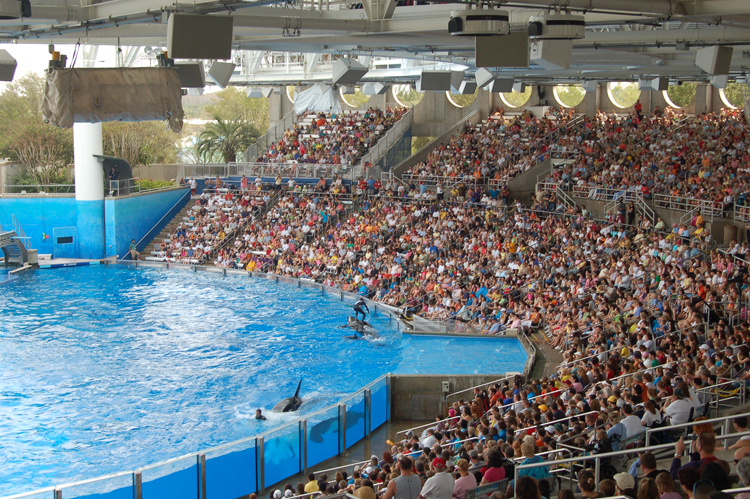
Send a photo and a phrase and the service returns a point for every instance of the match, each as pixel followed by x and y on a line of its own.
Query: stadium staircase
pixel 162 236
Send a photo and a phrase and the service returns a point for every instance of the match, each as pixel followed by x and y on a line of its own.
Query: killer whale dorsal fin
pixel 296 394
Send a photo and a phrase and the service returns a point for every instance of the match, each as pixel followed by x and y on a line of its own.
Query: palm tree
pixel 227 138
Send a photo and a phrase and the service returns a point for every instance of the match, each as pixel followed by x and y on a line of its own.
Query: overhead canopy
pixel 312 100
pixel 92 95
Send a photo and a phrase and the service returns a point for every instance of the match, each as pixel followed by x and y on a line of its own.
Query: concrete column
pixel 709 98
pixel 87 141
pixel 599 90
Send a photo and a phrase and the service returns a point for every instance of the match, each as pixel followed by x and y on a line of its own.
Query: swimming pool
pixel 109 368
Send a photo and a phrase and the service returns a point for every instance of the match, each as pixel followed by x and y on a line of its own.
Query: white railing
pixel 709 209
pixel 30 190
pixel 272 135
pixel 381 147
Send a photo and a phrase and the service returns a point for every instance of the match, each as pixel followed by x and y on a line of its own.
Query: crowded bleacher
pixel 336 139
pixel 650 320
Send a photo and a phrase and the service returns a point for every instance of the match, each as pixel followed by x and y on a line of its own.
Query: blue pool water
pixel 105 369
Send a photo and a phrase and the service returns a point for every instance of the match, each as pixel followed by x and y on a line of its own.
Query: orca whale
pixel 289 404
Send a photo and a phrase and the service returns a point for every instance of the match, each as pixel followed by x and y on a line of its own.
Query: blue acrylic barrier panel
pixel 230 472
pixel 172 480
pixel 378 403
pixel 281 454
pixel 114 487
pixel 355 419
pixel 323 433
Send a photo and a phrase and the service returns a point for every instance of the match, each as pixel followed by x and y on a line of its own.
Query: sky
pixel 35 58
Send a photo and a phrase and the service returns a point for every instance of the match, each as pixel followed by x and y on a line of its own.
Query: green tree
pixel 735 95
pixel 357 99
pixel 570 95
pixel 517 99
pixel 233 104
pixel 624 93
pixel 20 105
pixel 407 95
pixel 682 95
pixel 140 143
pixel 226 138
pixel 418 143
pixel 44 150
pixel 464 100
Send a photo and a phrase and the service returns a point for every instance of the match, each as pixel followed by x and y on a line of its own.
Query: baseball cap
pixel 277 494
pixel 624 480
pixel 368 470
pixel 704 347
pixel 543 408
pixel 612 399
pixel 288 493
pixel 438 463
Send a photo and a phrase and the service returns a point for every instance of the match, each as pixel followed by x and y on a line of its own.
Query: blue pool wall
pixel 133 217
pixel 98 228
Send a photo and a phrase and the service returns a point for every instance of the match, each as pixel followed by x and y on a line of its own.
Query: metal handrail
pixel 593 457
pixel 187 193
pixel 480 385
pixel 6 189
pixel 556 421
pixel 723 419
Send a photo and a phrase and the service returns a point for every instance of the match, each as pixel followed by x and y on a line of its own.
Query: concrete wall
pixel 420 397
pixel 134 216
pixel 523 187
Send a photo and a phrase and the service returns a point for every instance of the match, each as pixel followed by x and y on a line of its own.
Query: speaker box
pixel 655 84
pixel 191 74
pixel 347 71
pixel 348 90
pixel 720 81
pixel 374 88
pixel 500 85
pixel 590 85
pixel 552 54
pixel 465 88
pixel 510 51
pixel 484 76
pixel 221 72
pixel 435 81
pixel 7 66
pixel 519 87
pixel 714 60
pixel 196 36
pixel 195 92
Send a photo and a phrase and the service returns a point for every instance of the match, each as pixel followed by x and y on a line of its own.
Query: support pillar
pixel 89 176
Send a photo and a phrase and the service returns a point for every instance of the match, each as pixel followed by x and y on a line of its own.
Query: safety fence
pixel 248 465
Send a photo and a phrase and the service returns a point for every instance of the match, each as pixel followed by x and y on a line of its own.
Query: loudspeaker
pixel 7 66
pixel 510 51
pixel 196 36
pixel 374 88
pixel 347 71
pixel 465 88
pixel 435 81
pixel 484 77
pixel 195 92
pixel 552 54
pixel 590 85
pixel 655 84
pixel 720 81
pixel 348 90
pixel 191 74
pixel 714 60
pixel 519 87
pixel 221 72
pixel 500 85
